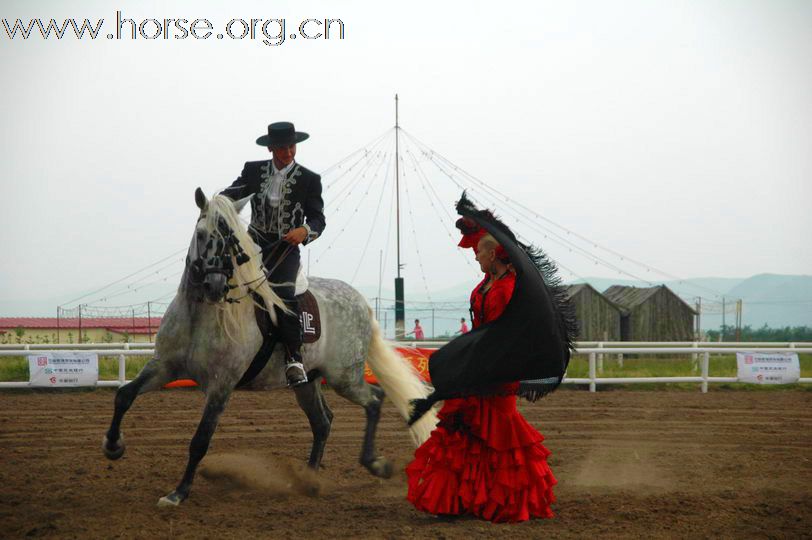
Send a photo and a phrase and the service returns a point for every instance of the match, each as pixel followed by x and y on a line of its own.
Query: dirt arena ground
pixel 629 464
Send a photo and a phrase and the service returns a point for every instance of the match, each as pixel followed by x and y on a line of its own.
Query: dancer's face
pixel 485 256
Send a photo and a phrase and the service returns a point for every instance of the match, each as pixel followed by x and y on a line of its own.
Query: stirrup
pixel 295 373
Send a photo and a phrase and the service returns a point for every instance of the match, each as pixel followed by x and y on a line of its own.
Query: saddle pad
pixel 311 321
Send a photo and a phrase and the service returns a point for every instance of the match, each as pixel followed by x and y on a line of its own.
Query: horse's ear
pixel 239 205
pixel 200 199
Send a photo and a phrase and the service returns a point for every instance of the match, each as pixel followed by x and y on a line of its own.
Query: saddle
pixel 310 321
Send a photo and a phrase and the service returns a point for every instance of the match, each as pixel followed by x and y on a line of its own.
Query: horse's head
pixel 213 252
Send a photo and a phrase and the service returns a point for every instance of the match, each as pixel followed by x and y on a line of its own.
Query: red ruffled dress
pixel 483 458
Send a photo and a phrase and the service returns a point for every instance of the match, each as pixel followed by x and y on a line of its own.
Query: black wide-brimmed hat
pixel 282 134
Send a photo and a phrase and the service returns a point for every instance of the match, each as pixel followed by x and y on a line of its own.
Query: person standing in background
pixel 463 326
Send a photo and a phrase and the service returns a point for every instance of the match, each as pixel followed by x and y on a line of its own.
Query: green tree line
pixel 765 333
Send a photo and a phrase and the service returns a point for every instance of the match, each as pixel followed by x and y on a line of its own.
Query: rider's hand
pixel 296 236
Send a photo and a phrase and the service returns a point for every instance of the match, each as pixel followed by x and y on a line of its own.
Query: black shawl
pixel 530 342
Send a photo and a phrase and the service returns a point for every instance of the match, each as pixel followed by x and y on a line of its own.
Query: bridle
pixel 226 246
pixel 220 262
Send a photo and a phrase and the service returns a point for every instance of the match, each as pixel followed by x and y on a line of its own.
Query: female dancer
pixel 483 458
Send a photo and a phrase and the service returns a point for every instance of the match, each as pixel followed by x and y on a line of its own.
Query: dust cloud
pixel 261 473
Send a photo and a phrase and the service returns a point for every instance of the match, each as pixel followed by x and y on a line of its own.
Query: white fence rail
pixel 595 354
pixel 429 344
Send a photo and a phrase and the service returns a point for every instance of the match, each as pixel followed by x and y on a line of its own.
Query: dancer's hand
pixel 296 236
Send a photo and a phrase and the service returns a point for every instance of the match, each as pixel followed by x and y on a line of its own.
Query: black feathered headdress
pixel 530 342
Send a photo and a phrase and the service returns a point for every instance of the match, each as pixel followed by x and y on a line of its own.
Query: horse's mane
pixel 249 276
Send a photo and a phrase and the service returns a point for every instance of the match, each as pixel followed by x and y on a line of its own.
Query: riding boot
pixel 294 368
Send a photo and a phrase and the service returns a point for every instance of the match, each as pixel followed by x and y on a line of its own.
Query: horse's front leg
pixel 215 404
pixel 152 377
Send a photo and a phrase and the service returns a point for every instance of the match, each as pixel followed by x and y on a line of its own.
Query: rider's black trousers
pixel 282 261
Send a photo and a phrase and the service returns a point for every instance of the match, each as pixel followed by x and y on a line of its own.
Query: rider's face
pixel 283 155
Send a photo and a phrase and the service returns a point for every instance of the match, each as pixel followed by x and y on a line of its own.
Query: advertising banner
pixel 418 357
pixel 768 368
pixel 52 370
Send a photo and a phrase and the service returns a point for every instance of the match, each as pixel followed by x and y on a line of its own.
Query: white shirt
pixel 274 187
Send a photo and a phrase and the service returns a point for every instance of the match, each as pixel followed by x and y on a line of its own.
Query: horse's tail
pixel 400 381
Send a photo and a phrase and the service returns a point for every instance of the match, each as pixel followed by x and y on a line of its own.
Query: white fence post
pixel 705 365
pixel 600 358
pixel 122 366
pixel 620 360
pixel 592 384
pixel 122 369
pixel 695 357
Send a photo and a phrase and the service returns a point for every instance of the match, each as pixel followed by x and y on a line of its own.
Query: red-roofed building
pixel 93 329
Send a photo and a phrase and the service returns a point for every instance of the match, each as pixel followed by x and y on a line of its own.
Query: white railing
pixel 593 380
pixel 122 350
pixel 433 344
pixel 74 346
pixel 594 353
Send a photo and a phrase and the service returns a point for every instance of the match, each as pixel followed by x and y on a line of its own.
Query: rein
pixel 264 278
pixel 221 263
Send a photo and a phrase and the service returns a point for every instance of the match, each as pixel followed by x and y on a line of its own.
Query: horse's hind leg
pixel 379 466
pixel 152 377
pixel 370 397
pixel 311 400
pixel 215 404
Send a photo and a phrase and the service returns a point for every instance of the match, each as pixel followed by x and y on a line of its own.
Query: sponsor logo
pixel 53 380
pixel 748 359
pixel 307 320
pixel 42 361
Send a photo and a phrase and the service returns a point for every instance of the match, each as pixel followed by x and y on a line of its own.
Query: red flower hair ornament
pixel 472 233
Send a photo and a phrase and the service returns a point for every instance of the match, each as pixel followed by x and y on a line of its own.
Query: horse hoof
pixel 171 500
pixel 381 467
pixel 117 451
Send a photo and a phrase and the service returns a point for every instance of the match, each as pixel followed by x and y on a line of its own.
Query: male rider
pixel 286 210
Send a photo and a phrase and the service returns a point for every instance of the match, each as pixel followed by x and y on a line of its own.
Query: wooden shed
pixel 598 318
pixel 652 314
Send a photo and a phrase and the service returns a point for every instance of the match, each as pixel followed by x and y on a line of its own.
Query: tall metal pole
pixel 57 324
pixel 723 318
pixel 400 305
pixel 397 180
pixel 738 320
pixel 380 282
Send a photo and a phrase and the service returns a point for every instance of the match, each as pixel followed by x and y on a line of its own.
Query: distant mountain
pixel 775 300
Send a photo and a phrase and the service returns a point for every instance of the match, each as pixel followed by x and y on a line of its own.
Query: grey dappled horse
pixel 206 337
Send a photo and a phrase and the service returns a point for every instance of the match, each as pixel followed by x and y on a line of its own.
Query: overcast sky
pixel 677 134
